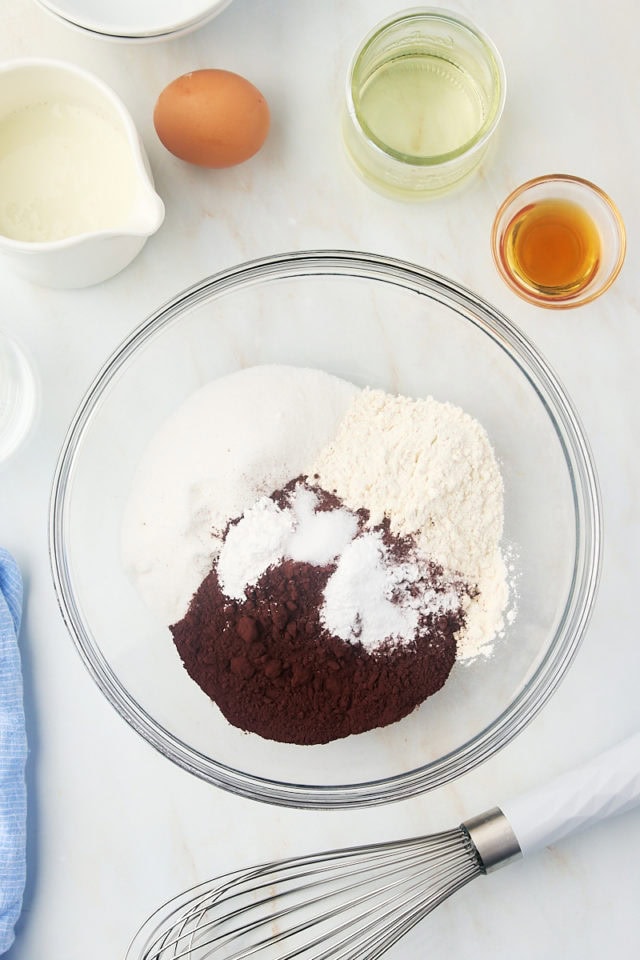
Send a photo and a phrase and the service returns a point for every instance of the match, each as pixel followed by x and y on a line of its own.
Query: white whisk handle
pixel 607 785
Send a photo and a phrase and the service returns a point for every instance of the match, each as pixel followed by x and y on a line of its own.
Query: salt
pixel 318 537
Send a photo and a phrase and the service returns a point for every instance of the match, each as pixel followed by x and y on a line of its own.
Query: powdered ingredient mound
pixel 305 627
pixel 274 670
pixel 273 667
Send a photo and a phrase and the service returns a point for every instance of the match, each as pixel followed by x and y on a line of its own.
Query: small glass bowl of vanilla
pixel 558 241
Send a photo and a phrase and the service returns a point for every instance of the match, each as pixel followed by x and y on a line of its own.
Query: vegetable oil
pixel 425 92
pixel 421 106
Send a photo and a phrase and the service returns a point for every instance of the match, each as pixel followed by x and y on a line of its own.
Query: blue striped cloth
pixel 13 752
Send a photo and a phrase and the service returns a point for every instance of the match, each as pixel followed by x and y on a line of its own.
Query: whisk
pixel 357 902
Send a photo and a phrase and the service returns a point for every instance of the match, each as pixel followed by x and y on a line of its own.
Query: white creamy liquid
pixel 65 170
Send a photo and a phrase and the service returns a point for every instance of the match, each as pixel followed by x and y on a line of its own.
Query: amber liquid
pixel 552 246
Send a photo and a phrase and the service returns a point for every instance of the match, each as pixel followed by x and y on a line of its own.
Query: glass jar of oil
pixel 425 92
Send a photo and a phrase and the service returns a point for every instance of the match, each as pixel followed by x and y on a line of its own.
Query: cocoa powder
pixel 274 670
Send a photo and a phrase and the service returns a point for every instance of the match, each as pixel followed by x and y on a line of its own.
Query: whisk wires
pixel 340 905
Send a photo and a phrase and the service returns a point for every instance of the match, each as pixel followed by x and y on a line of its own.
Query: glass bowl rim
pixel 586 498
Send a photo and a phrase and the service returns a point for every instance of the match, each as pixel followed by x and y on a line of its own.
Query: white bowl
pixel 145 19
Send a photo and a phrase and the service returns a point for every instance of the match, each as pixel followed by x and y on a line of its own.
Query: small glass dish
pixel 558 241
pixel 19 396
pixel 425 92
pixel 374 321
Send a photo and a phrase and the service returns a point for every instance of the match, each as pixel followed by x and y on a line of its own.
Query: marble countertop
pixel 114 828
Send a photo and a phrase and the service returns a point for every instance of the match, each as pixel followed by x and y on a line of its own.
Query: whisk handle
pixel 607 785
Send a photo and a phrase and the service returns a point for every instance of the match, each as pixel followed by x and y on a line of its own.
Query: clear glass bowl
pixel 374 321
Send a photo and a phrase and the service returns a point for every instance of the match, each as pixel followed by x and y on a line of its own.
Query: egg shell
pixel 212 118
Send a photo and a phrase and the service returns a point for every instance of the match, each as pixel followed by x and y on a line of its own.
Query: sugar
pixel 235 439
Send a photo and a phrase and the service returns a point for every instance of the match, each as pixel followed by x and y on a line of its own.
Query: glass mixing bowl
pixel 378 322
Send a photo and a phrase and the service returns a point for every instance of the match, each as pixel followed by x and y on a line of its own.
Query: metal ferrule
pixel 495 842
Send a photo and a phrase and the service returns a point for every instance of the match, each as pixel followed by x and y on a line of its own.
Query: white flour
pixel 428 466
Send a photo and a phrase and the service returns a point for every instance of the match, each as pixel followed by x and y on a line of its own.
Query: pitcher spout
pixel 147 213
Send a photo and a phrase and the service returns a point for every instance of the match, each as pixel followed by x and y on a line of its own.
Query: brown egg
pixel 213 118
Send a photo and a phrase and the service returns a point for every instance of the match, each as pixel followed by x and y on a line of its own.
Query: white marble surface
pixel 114 829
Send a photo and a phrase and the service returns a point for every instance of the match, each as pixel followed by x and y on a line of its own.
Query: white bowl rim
pixel 121 18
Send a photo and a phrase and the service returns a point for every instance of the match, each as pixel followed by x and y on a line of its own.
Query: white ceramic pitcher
pixel 63 129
